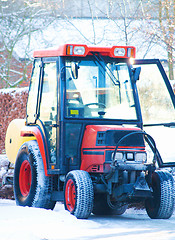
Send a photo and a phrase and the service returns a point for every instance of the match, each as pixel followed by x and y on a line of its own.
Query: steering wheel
pixel 98 104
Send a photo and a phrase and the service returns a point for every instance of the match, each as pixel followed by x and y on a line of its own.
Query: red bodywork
pixel 93 156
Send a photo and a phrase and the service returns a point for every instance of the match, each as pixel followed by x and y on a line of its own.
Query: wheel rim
pixel 25 178
pixel 70 195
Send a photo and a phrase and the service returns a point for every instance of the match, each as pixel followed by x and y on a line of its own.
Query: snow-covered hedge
pixel 12 105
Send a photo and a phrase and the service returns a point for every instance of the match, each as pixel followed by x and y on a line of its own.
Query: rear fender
pixel 13 139
pixel 35 131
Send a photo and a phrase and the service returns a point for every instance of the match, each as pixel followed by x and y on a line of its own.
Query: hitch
pixel 129 191
pixel 141 183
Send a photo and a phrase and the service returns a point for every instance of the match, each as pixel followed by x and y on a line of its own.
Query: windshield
pixel 102 89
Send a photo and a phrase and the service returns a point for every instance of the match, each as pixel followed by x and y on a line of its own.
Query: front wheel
pixel 78 194
pixel 162 204
pixel 31 187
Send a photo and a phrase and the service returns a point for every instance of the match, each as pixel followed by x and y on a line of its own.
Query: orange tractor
pixel 83 140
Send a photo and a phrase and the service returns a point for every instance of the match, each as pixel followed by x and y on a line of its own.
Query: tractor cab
pixel 83 86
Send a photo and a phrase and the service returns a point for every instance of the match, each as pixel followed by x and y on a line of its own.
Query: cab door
pixel 48 108
pixel 157 102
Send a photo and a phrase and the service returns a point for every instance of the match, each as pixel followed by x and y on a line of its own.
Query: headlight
pixel 118 156
pixel 119 52
pixel 75 50
pixel 141 157
pixel 130 156
pixel 78 50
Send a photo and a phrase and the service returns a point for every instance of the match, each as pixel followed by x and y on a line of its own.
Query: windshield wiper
pixel 171 124
pixel 99 59
pixel 116 82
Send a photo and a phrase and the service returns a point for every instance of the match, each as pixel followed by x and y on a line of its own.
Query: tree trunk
pixel 170 63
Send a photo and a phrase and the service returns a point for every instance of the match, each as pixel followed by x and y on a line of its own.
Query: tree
pixel 19 20
pixel 128 11
pixel 160 19
pixel 167 27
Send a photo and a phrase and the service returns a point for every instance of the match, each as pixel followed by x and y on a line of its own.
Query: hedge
pixel 12 105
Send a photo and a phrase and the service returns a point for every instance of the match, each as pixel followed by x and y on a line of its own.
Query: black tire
pixel 162 204
pixel 101 206
pixel 31 187
pixel 78 193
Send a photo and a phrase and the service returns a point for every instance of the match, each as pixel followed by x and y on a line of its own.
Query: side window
pixel 49 93
pixel 33 93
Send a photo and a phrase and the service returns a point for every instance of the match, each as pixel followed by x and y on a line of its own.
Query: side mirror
pixel 136 73
pixel 74 70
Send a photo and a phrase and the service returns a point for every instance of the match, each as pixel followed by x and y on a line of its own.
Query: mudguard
pixel 38 134
pixel 14 140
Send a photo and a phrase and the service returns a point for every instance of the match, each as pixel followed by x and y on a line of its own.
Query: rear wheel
pixel 25 178
pixel 78 194
pixel 162 203
pixel 101 206
pixel 31 187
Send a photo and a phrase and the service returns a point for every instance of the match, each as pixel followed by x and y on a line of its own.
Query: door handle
pixel 54 125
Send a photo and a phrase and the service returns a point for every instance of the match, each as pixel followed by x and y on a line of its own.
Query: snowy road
pixel 23 223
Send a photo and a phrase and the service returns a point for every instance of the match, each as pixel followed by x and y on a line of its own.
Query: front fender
pixel 36 132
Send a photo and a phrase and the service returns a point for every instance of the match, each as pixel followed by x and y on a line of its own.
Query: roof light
pixel 75 50
pixel 131 52
pixel 69 50
pixel 119 52
pixel 79 50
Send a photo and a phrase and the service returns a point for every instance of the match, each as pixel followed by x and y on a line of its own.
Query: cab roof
pixel 84 50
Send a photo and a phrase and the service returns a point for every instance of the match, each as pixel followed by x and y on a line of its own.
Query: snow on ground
pixel 19 223
pixel 24 223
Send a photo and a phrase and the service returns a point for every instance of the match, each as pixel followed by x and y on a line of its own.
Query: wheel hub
pixel 25 178
pixel 70 195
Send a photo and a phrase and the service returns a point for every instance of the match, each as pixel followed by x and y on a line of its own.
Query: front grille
pixel 114 136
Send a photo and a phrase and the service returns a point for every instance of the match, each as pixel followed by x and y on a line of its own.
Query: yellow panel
pixel 74 112
pixel 13 140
